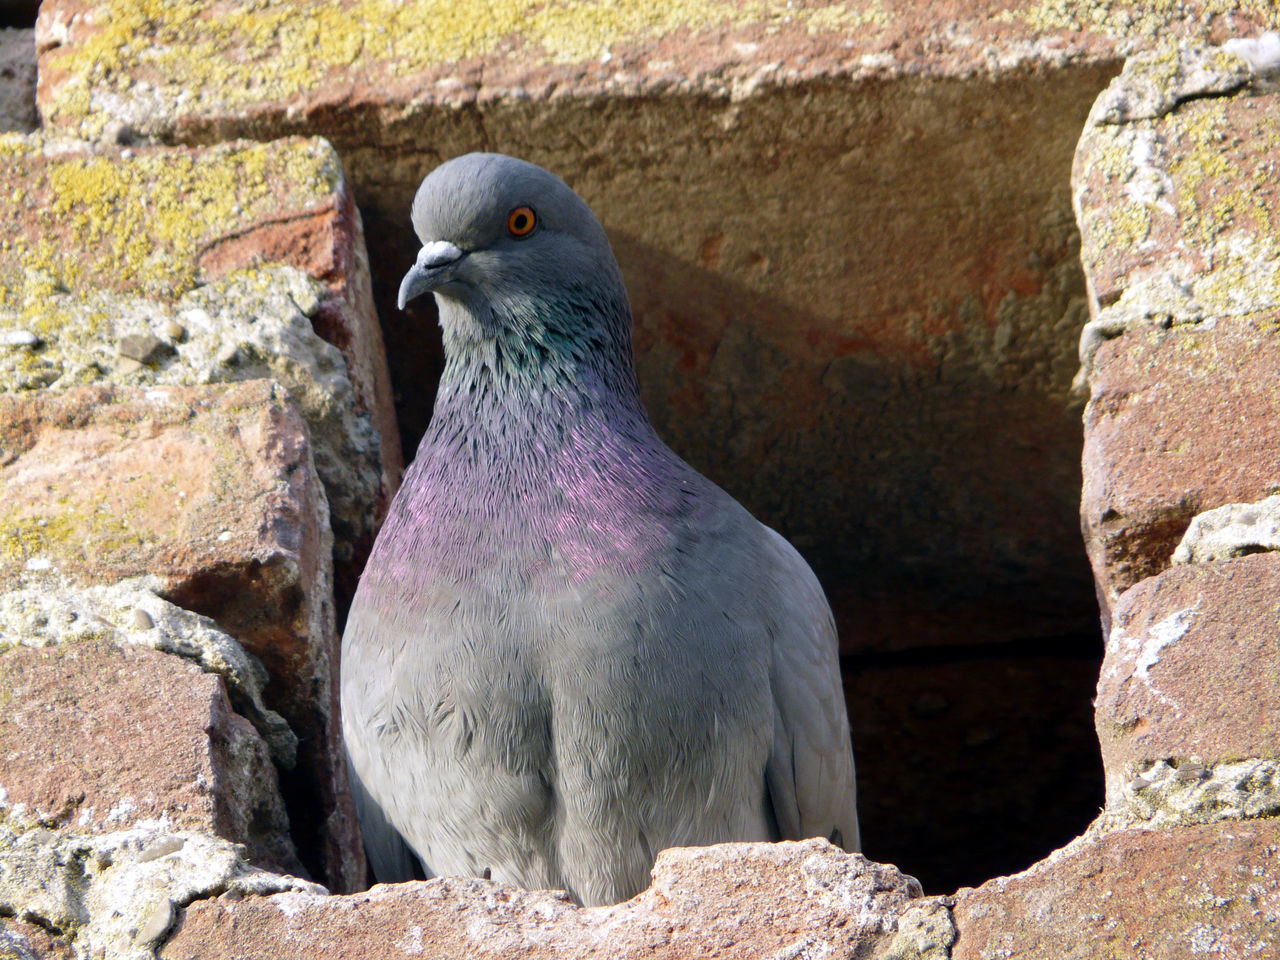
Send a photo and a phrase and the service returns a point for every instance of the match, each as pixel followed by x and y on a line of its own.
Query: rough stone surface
pixel 1234 530
pixel 168 69
pixel 1173 181
pixel 18 81
pixel 116 895
pixel 213 489
pixel 1181 421
pixel 1158 895
pixel 26 941
pixel 1187 791
pixel 38 610
pixel 175 266
pixel 1191 668
pixel 1175 191
pixel 734 900
pixel 106 758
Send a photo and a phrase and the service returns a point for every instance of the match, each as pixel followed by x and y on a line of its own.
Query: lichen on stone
pixel 252 324
pixel 924 931
pixel 144 61
pixel 1165 144
pixel 1183 792
pixel 115 895
pixel 138 221
pixel 1133 20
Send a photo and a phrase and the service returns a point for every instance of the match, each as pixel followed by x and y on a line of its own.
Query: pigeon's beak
pixel 435 267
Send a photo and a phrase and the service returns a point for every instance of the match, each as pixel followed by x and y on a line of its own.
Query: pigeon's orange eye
pixel 521 221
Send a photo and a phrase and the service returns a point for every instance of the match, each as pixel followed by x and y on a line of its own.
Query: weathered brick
pixel 1175 191
pixel 729 901
pixel 1155 894
pixel 1180 421
pixel 1191 669
pixel 213 490
pixel 227 261
pixel 97 737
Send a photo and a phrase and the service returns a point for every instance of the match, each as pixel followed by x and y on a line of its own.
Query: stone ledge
pixel 179 68
pixel 1172 188
pixel 729 901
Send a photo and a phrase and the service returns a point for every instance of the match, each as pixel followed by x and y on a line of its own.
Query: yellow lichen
pixel 139 222
pixel 837 17
pixel 1121 18
pixel 72 532
pixel 257 52
pixel 1222 182
pixel 76 526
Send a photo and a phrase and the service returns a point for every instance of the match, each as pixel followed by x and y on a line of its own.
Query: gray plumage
pixel 569 650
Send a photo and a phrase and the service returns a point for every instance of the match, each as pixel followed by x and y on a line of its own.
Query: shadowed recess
pixel 866 332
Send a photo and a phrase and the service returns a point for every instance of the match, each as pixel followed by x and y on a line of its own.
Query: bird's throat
pixel 574 350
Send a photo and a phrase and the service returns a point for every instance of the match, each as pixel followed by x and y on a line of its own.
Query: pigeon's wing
pixel 390 857
pixel 809 776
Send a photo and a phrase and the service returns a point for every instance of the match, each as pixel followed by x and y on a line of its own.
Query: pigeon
pixel 569 650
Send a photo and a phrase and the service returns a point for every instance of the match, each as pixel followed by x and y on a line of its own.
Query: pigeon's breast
pixel 542 518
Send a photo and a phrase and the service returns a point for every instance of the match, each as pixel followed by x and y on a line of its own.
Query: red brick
pixel 213 490
pixel 1157 895
pixel 1180 421
pixel 96 737
pixel 1191 668
pixel 165 222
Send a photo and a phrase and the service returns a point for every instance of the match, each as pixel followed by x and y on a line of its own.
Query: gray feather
pixel 391 859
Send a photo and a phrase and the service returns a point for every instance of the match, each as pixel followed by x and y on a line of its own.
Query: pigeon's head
pixel 504 239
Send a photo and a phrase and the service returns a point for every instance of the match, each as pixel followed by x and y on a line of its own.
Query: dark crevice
pixel 1069 647
pixel 19 14
pixel 25 916
pixel 1209 94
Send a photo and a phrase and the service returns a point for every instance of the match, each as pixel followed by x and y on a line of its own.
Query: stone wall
pixel 849 236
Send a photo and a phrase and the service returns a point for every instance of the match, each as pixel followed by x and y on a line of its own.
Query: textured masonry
pixel 1175 199
pixel 943 134
pixel 212 491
